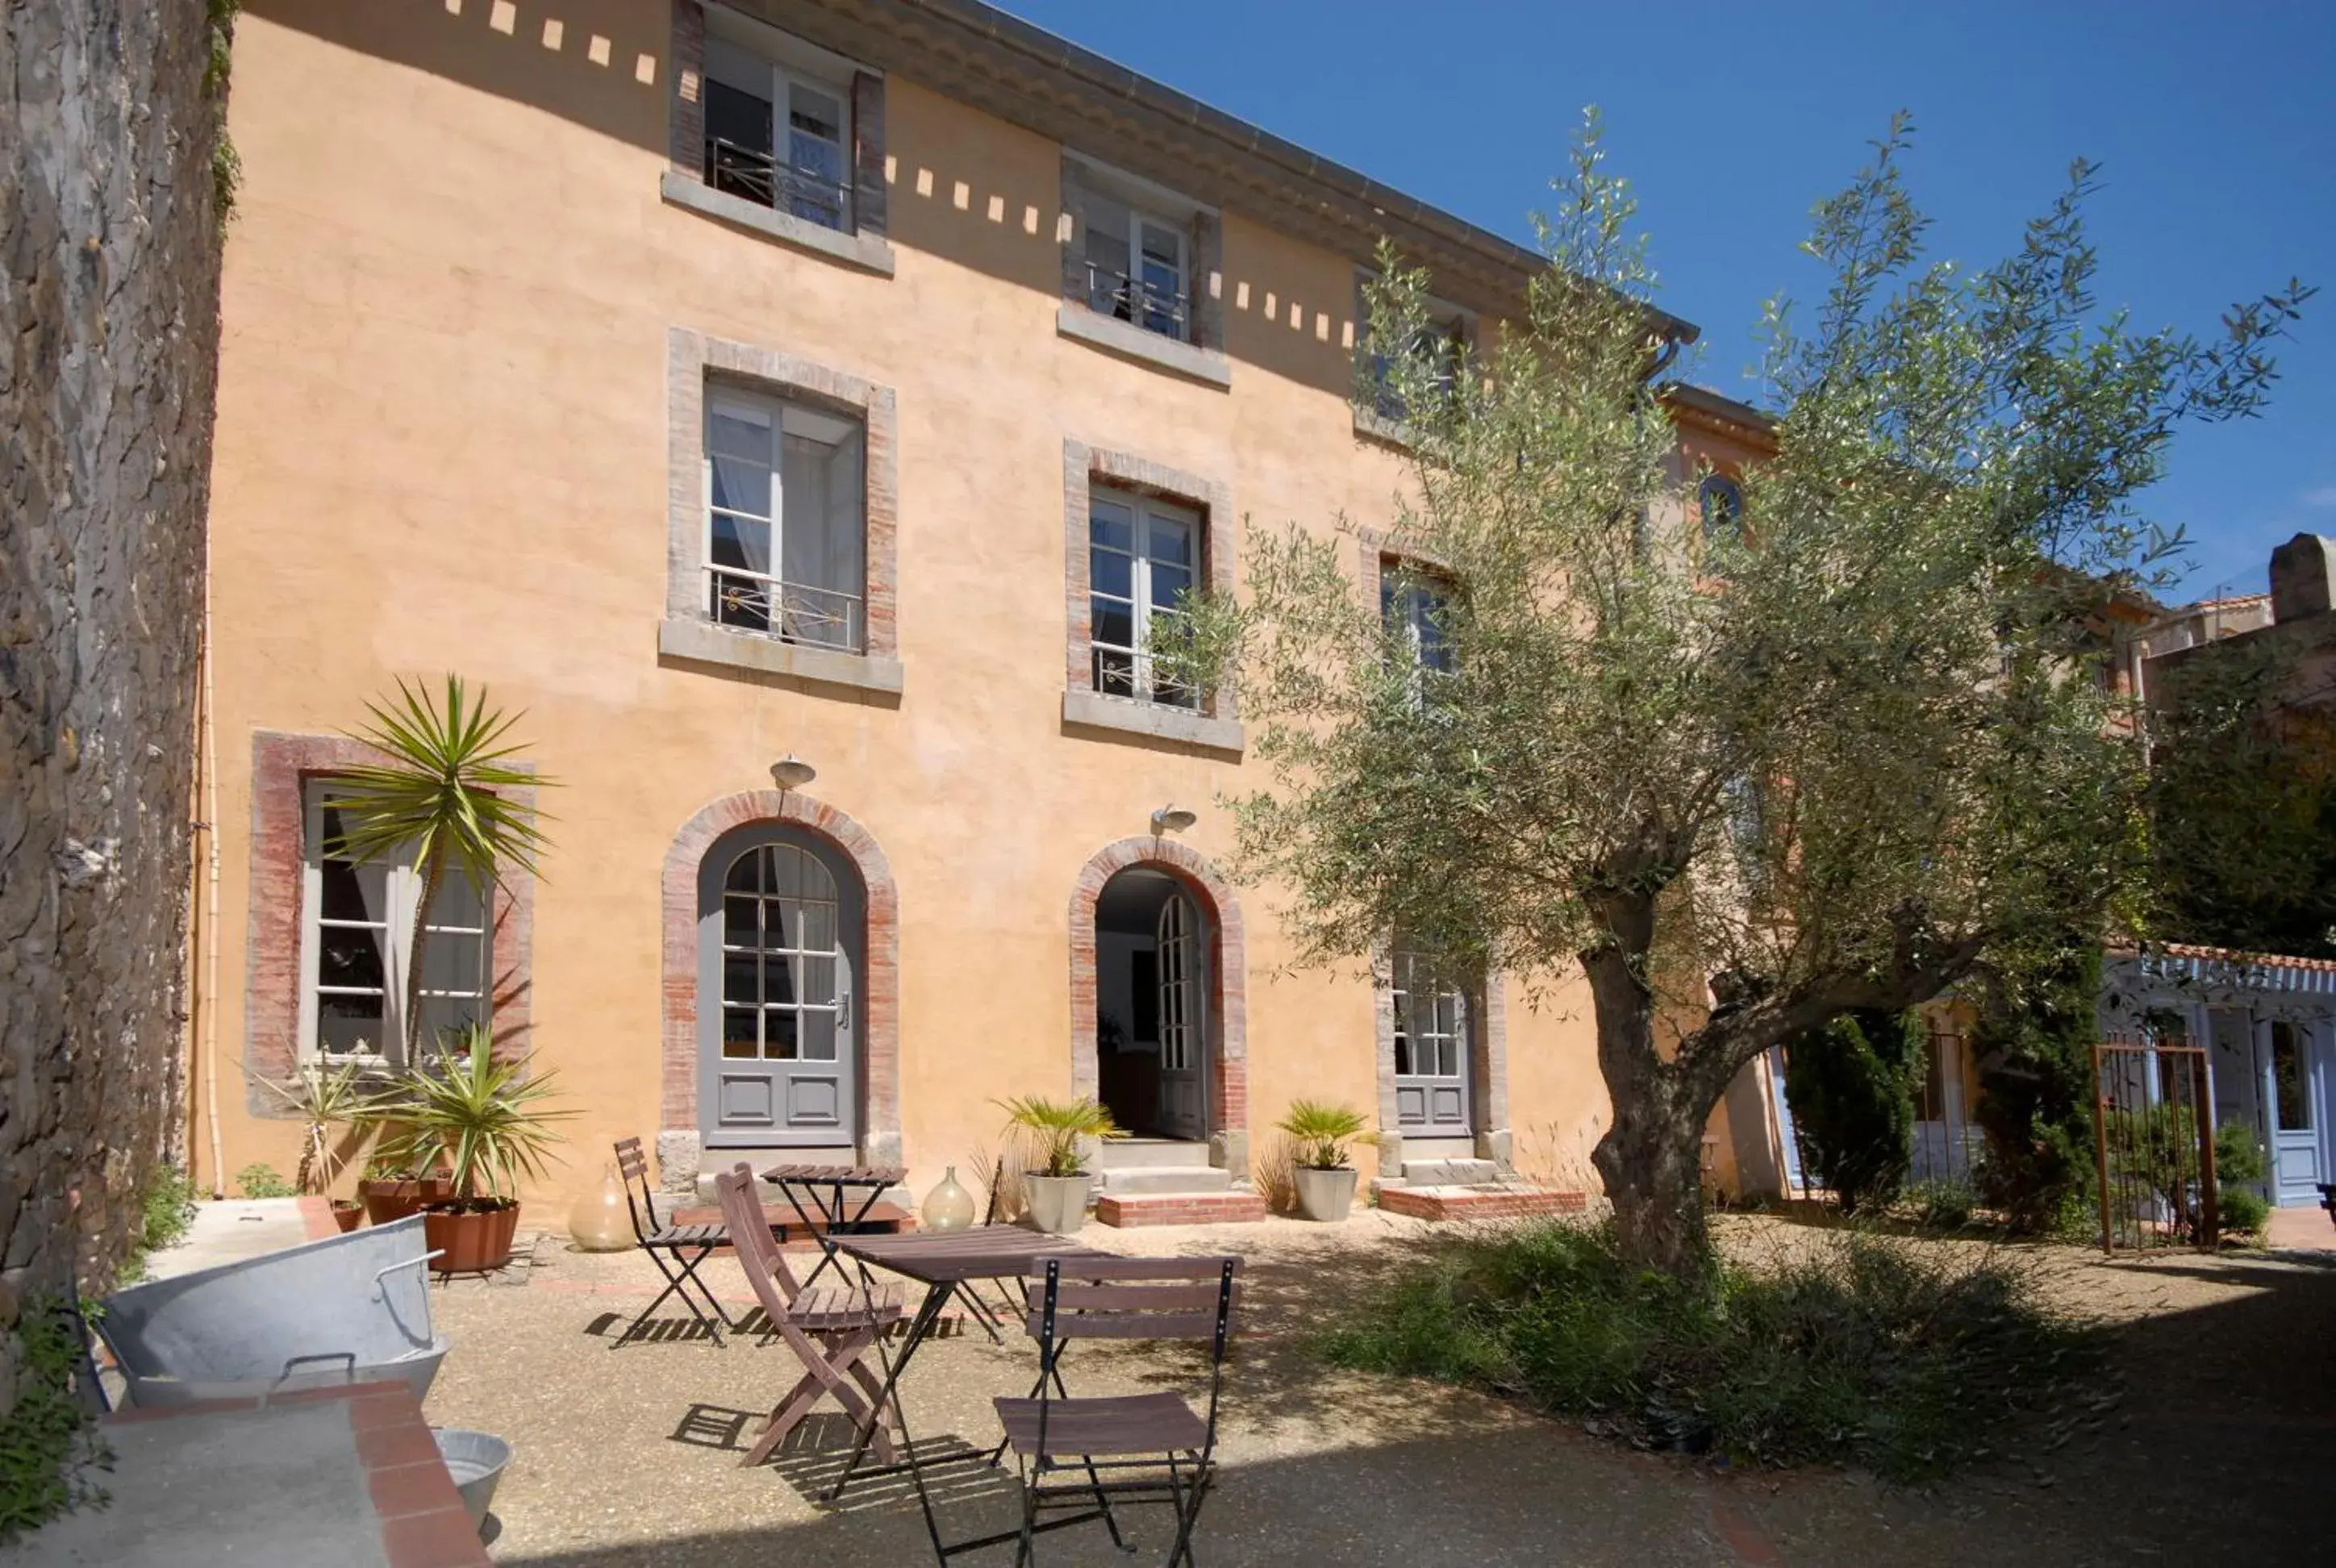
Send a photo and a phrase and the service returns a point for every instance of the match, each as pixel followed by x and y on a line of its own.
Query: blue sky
pixel 2214 121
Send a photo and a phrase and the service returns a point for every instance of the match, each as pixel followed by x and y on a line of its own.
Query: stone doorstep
pixel 1146 1180
pixel 1479 1202
pixel 1450 1173
pixel 1179 1208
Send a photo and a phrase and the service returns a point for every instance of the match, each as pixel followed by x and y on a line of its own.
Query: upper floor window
pixel 1419 608
pixel 1143 554
pixel 1138 268
pixel 356 939
pixel 775 133
pixel 1722 504
pixel 1439 345
pixel 785 544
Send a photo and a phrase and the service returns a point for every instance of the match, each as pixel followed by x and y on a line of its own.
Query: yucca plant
pixel 482 1117
pixel 326 1098
pixel 1322 1132
pixel 445 795
pixel 1057 1126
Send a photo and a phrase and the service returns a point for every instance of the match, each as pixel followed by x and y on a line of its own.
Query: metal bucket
pixel 347 1309
pixel 475 1460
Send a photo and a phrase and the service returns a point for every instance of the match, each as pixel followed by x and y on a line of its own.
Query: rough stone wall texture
pixel 108 347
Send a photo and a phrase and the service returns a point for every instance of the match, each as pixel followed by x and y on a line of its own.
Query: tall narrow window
pixel 776 137
pixel 1142 558
pixel 786 520
pixel 356 938
pixel 2290 1082
pixel 1439 345
pixel 1136 266
pixel 1722 504
pixel 1417 607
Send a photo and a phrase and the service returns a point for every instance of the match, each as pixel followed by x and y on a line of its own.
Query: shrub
pixel 260 1180
pixel 47 1445
pixel 2033 1045
pixel 2241 1209
pixel 1942 1203
pixel 1856 1349
pixel 1848 1085
pixel 170 1208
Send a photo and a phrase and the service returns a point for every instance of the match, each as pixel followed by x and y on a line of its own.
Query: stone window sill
pixel 702 642
pixel 1129 341
pixel 1091 710
pixel 869 252
pixel 1372 425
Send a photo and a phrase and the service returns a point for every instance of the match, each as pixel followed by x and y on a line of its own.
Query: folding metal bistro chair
pixel 676 1250
pixel 830 1328
pixel 1087 1454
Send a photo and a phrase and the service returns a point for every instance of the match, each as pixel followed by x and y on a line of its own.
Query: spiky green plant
pixel 447 794
pixel 482 1115
pixel 1322 1132
pixel 326 1098
pixel 1057 1126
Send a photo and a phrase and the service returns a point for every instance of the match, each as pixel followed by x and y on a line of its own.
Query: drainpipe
pixel 208 998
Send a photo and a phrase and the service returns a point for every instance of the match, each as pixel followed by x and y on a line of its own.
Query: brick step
pixel 1126 1210
pixel 1480 1202
pixel 1146 1179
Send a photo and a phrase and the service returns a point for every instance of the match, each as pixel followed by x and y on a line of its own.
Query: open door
pixel 1183 965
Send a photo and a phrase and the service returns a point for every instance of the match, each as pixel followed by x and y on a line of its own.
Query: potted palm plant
pixel 1321 1132
pixel 1055 1183
pixel 326 1099
pixel 485 1118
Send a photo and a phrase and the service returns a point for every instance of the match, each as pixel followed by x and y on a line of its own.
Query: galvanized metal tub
pixel 347 1309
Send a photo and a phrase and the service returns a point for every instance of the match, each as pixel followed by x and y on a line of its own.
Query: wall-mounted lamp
pixel 1171 819
pixel 791 772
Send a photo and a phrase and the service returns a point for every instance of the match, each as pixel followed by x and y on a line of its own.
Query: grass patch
pixel 47 1445
pixel 1853 1349
pixel 167 1209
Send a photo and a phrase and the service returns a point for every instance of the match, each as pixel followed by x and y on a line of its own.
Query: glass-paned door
pixel 1183 969
pixel 1431 1051
pixel 1143 556
pixel 779 940
pixel 2292 1091
pixel 775 139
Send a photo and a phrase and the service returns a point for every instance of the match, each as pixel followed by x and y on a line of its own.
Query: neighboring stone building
pixel 850 384
pixel 109 277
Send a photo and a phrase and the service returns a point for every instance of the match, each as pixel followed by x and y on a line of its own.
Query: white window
pixel 1417 606
pixel 776 133
pixel 1722 505
pixel 786 546
pixel 1137 266
pixel 1431 1027
pixel 1439 342
pixel 1142 555
pixel 357 935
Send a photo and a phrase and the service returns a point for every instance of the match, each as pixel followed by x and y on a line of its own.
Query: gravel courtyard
pixel 2209 1442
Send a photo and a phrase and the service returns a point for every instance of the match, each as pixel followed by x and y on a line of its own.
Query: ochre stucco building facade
pixel 831 383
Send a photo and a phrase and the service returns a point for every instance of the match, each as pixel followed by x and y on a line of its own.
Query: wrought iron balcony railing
pixel 1138 300
pixel 762 178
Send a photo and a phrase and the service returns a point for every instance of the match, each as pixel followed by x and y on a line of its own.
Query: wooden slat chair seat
pixel 676 1250
pixel 1153 1447
pixel 830 1331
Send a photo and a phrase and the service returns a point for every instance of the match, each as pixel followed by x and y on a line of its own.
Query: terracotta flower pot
pixel 1326 1195
pixel 1059 1204
pixel 471 1235
pixel 387 1201
pixel 346 1212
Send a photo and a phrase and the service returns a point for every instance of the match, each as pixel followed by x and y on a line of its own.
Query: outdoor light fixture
pixel 1171 819
pixel 791 772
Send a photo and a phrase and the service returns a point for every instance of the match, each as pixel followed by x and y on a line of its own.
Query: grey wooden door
pixel 1184 1019
pixel 781 922
pixel 2293 1092
pixel 1431 1052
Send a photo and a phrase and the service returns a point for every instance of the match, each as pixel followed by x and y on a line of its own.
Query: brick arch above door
pixel 1228 1041
pixel 679 1151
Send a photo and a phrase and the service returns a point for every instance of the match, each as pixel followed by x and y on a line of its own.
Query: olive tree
pixel 1834 753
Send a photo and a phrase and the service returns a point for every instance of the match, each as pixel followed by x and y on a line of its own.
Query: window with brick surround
pixel 1136 252
pixel 778 121
pixel 1415 604
pixel 1440 341
pixel 785 540
pixel 356 939
pixel 1144 556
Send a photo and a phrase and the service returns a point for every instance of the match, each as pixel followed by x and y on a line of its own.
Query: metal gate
pixel 2154 1145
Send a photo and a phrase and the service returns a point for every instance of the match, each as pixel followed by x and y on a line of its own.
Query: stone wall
pixel 109 345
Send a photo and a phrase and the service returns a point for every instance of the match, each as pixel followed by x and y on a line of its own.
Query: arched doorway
pixel 693 1007
pixel 1154 998
pixel 783 923
pixel 1159 992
